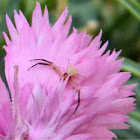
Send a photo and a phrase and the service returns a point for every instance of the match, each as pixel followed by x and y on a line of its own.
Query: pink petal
pixel 12 30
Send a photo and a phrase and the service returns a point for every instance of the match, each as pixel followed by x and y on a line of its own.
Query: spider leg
pixel 51 64
pixel 42 60
pixel 78 91
pixel 64 76
pixel 78 102
pixel 37 64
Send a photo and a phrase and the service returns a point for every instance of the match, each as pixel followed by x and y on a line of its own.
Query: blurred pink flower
pixel 43 103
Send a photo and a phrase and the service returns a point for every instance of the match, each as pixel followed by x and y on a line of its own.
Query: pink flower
pixel 44 98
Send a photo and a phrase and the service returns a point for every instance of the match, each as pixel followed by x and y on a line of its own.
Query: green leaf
pixel 135 125
pixel 135 115
pixel 131 66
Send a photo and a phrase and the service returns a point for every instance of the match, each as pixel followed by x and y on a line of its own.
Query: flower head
pixel 73 91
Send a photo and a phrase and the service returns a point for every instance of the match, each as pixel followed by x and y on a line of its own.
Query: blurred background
pixel 120 21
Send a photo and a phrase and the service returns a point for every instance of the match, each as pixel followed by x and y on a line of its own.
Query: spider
pixel 72 71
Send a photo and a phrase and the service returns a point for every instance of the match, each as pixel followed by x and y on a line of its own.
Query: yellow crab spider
pixel 71 71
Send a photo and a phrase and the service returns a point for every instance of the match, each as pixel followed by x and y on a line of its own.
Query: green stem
pixel 135 3
pixel 133 7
